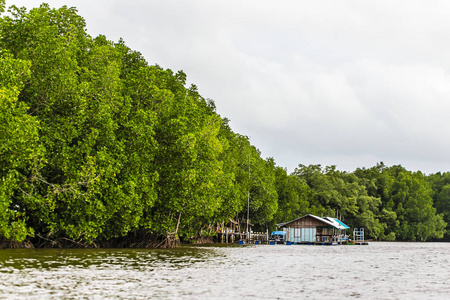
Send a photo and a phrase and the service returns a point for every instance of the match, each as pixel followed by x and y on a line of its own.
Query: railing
pixel 358 235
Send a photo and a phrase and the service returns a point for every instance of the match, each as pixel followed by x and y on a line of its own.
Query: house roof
pixel 340 222
pixel 336 223
pixel 327 220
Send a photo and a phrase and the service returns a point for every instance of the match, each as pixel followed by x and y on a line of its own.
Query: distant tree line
pixel 96 146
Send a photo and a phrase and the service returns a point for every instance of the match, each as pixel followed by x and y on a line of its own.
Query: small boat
pixel 277 237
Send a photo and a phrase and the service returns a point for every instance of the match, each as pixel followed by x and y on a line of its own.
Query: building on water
pixel 314 229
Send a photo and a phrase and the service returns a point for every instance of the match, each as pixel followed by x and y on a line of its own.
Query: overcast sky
pixel 345 83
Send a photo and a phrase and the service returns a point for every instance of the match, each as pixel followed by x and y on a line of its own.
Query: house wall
pixel 298 235
pixel 303 229
pixel 311 229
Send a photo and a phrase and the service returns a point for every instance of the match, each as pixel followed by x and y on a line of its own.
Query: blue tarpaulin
pixel 278 233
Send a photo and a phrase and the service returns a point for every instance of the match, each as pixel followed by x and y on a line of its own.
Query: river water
pixel 377 271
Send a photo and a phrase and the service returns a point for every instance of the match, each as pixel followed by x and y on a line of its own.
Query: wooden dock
pixel 235 237
pixel 261 238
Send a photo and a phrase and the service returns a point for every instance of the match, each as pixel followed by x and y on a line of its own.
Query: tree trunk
pixel 172 239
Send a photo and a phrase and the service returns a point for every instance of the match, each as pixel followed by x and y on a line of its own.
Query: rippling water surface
pixel 377 271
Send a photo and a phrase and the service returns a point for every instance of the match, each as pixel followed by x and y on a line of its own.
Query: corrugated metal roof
pixel 327 220
pixel 336 223
pixel 283 224
pixel 340 222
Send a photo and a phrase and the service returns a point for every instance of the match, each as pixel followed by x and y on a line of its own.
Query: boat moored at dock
pixel 277 237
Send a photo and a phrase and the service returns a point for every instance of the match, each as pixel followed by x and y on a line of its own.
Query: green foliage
pixel 294 197
pixel 19 149
pixel 95 177
pixel 263 194
pixel 339 193
pixel 440 184
pixel 407 211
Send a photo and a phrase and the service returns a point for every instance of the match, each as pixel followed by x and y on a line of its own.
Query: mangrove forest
pixel 100 149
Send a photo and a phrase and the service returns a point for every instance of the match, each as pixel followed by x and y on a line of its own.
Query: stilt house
pixel 314 229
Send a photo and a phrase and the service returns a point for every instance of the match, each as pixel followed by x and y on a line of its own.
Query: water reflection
pixel 19 259
pixel 380 270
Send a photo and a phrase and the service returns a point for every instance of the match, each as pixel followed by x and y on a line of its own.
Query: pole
pixel 248 199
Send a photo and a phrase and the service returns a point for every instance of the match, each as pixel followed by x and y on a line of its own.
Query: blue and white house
pixel 314 229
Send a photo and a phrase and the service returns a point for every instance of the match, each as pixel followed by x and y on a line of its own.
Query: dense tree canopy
pixel 95 145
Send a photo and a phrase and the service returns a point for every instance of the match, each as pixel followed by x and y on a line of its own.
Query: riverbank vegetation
pixel 99 148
